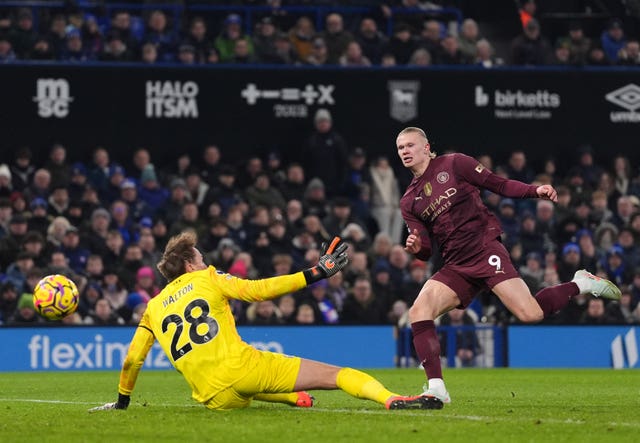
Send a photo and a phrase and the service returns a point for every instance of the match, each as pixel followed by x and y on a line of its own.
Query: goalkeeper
pixel 192 320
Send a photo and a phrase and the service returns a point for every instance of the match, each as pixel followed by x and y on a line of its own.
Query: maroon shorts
pixel 482 272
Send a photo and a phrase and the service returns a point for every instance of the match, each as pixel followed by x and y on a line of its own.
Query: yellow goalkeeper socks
pixel 361 385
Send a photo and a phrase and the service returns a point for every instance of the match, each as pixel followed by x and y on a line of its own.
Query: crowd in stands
pixel 418 37
pixel 105 225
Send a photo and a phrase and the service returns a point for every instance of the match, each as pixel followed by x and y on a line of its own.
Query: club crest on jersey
pixel 442 177
pixel 479 168
pixel 427 189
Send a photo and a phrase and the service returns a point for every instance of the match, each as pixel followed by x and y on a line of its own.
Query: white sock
pixel 437 384
pixel 584 285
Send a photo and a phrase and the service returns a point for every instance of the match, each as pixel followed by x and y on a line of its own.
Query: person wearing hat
pixel 21 169
pixel 443 205
pixel 579 44
pixel 325 153
pixel 186 54
pixel 11 244
pixel 5 181
pixel 151 193
pixel 231 33
pixel 25 313
pixel 530 48
pixel 73 50
pixel 318 55
pixel 613 40
pixel 40 218
pixel 264 40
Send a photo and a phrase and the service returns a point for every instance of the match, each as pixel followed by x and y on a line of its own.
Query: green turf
pixel 489 405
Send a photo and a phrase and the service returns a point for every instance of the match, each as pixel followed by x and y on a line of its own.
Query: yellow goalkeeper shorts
pixel 274 373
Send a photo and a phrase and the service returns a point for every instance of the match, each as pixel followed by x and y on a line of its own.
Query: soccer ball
pixel 55 297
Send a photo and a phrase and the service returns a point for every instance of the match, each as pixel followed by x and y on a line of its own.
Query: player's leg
pixel 317 375
pixel 434 299
pixel 516 297
pixel 300 399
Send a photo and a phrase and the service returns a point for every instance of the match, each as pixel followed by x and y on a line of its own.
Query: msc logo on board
pixel 53 97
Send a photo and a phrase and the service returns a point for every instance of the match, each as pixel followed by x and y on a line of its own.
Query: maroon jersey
pixel 444 204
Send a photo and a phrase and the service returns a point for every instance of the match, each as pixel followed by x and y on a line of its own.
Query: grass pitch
pixel 488 405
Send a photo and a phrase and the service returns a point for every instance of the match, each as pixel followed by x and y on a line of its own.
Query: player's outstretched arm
pixel 333 259
pixel 140 345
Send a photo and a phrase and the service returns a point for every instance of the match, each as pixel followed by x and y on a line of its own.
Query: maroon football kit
pixel 444 204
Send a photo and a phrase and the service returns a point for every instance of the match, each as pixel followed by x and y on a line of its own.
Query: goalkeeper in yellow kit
pixel 192 320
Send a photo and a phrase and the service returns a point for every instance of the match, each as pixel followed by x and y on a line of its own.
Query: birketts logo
pixel 291 102
pixel 518 104
pixel 53 97
pixel 627 97
pixel 166 99
pixel 403 99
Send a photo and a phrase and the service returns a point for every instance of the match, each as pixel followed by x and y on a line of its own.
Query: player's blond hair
pixel 414 129
pixel 178 251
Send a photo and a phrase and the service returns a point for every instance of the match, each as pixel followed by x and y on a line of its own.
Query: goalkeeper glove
pixel 334 258
pixel 122 403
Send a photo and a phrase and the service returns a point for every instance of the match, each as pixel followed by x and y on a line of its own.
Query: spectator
pixel 335 37
pixel 431 36
pixel 92 37
pixel 34 244
pixel 263 313
pixel 287 308
pixel 561 53
pixel 225 43
pixel 8 300
pixel 325 153
pixel 198 39
pixel 121 25
pixel 305 315
pixel 11 243
pixel 466 345
pixel 595 313
pixel 597 56
pixel 16 272
pixel 23 36
pixel 485 55
pixel 579 44
pixel 186 54
pixel 613 40
pixel 22 170
pixel 301 37
pixel 449 53
pixel 57 34
pixel 189 219
pixel 5 181
pixel 319 55
pixel 353 56
pixel 115 49
pixel 420 57
pixel 75 254
pixel 385 198
pixel 264 40
pixel 530 48
pixel 262 193
pixel 73 50
pixel 371 40
pixel 629 55
pixel 402 44
pixel 468 39
pixel 527 12
pixel 25 313
pixel 361 305
pixel 316 296
pixel 149 53
pixel 103 315
pixel 615 268
pixel 158 33
pixel 114 291
pixel 146 281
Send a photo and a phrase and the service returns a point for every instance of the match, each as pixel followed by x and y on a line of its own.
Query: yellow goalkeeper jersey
pixel 192 320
